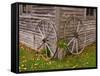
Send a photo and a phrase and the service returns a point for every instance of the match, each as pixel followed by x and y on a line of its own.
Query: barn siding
pixel 28 22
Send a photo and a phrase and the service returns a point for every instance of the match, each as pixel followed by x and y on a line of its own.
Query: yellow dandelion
pixel 50 62
pixel 23 56
pixel 38 59
pixel 24 60
pixel 19 67
pixel 35 64
pixel 22 65
pixel 24 68
pixel 87 63
pixel 75 66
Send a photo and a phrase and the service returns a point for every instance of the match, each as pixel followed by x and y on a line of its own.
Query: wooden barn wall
pixel 28 22
pixel 65 13
pixel 89 25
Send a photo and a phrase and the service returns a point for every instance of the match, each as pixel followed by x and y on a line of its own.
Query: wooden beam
pixel 57 20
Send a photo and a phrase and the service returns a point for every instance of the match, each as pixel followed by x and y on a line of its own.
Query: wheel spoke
pixel 85 40
pixel 70 41
pixel 74 21
pixel 78 27
pixel 49 48
pixel 73 46
pixel 40 46
pixel 46 49
pixel 47 28
pixel 52 43
pixel 41 32
pixel 49 32
pixel 76 45
pixel 44 29
pixel 82 29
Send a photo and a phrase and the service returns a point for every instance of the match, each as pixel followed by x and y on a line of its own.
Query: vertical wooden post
pixel 59 53
pixel 57 20
pixel 85 13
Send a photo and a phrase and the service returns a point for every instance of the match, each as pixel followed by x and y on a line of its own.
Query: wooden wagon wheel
pixel 46 37
pixel 75 35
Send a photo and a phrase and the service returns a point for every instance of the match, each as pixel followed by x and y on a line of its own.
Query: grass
pixel 30 61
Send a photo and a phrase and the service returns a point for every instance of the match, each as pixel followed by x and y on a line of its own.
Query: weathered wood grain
pixel 58 15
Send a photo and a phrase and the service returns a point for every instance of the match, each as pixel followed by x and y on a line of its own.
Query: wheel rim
pixel 47 37
pixel 76 36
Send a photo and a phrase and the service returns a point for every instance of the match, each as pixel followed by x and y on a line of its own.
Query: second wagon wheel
pixel 75 35
pixel 46 37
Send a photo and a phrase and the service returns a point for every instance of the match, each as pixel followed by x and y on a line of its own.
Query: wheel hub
pixel 44 40
pixel 76 35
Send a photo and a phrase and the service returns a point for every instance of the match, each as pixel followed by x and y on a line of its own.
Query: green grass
pixel 30 61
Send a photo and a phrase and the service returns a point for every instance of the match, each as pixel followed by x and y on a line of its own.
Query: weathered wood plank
pixel 28 22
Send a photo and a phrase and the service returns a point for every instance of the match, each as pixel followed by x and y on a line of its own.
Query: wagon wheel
pixel 46 37
pixel 75 35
